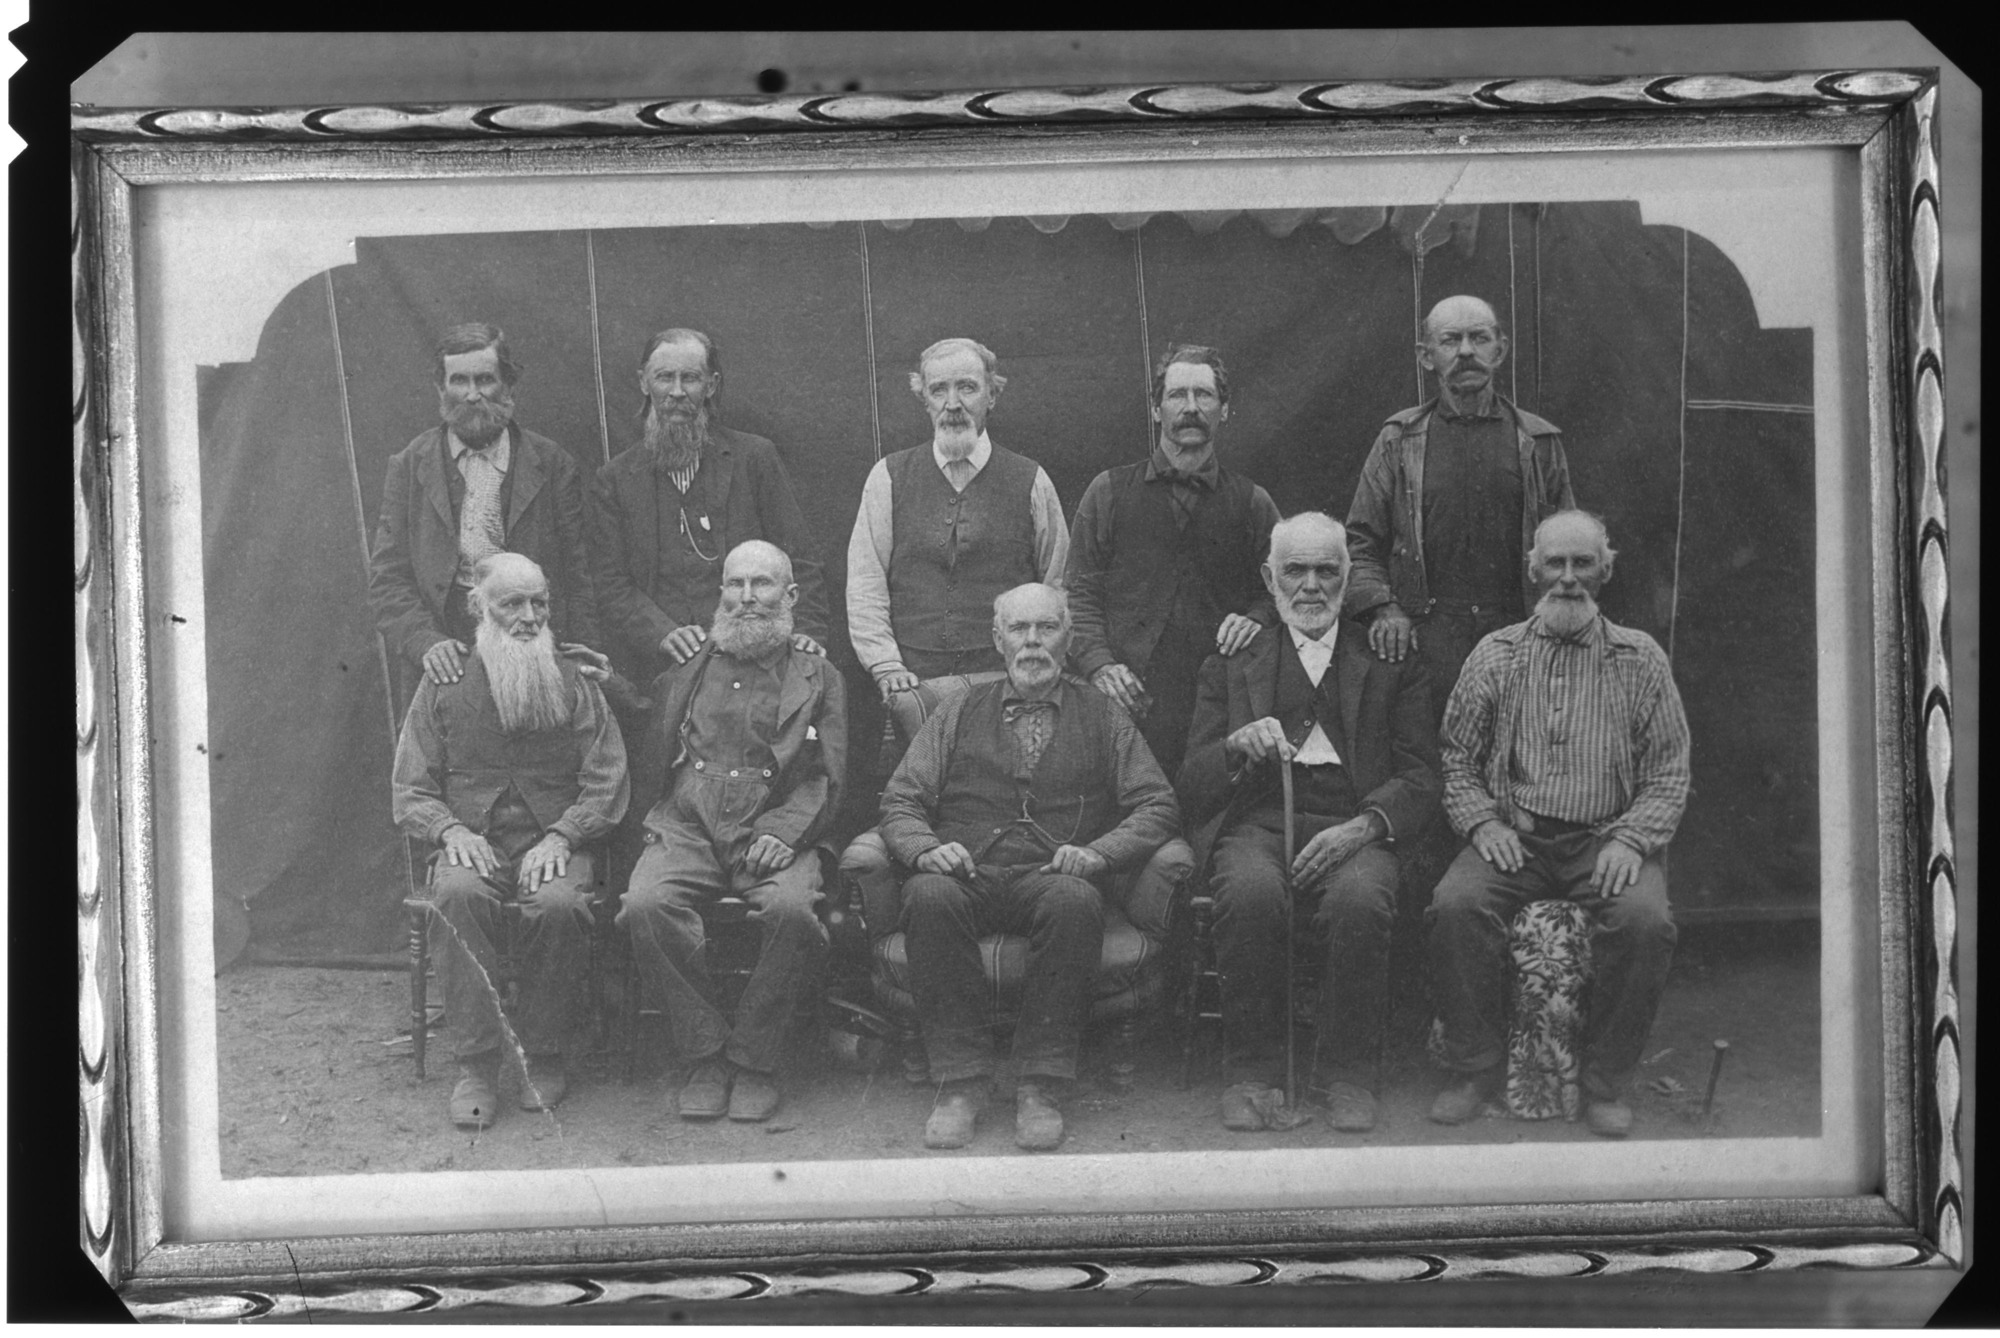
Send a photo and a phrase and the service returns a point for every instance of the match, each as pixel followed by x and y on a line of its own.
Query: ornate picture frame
pixel 1884 119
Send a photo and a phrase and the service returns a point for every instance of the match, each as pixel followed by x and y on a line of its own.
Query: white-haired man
pixel 1566 768
pixel 746 753
pixel 1357 733
pixel 1014 800
pixel 944 528
pixel 511 769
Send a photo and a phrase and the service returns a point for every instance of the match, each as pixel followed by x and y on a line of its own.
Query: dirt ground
pixel 312 1082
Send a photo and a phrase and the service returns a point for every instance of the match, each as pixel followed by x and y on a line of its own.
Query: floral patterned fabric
pixel 1550 944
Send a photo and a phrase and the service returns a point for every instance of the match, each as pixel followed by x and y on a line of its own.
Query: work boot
pixel 1038 1121
pixel 548 1080
pixel 1464 1099
pixel 705 1096
pixel 956 1112
pixel 475 1098
pixel 1239 1106
pixel 1351 1107
pixel 754 1096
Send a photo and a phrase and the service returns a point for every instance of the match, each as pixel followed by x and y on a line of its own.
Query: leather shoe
pixel 753 1097
pixel 1038 1121
pixel 1607 1119
pixel 706 1094
pixel 1239 1110
pixel 475 1099
pixel 548 1080
pixel 957 1111
pixel 1463 1100
pixel 1351 1107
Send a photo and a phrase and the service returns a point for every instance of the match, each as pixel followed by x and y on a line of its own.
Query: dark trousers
pixel 944 918
pixel 1355 912
pixel 552 948
pixel 1631 950
pixel 681 869
pixel 1446 636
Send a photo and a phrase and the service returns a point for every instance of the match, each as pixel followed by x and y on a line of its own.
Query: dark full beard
pixel 477 425
pixel 1566 617
pixel 750 633
pixel 525 679
pixel 677 441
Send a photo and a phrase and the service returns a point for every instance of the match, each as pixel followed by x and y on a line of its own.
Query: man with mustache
pixel 1164 556
pixel 1012 804
pixel 510 769
pixel 664 513
pixel 1566 767
pixel 476 484
pixel 1448 500
pixel 740 772
pixel 1357 733
pixel 944 528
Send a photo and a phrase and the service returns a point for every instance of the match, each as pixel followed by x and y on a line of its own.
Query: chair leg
pixel 419 968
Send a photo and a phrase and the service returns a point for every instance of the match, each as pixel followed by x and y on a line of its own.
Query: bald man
pixel 1448 501
pixel 739 778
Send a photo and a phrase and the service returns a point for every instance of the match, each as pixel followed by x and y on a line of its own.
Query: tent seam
pixel 597 344
pixel 868 320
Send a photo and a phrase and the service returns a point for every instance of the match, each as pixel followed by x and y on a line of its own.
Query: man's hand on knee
pixel 1333 848
pixel 545 862
pixel 1076 861
pixel 1617 868
pixel 467 849
pixel 949 858
pixel 766 855
pixel 1499 845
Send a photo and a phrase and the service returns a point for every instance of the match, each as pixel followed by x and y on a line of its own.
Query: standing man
pixel 665 512
pixel 1448 501
pixel 1566 766
pixel 476 485
pixel 749 744
pixel 1164 558
pixel 510 767
pixel 1013 803
pixel 944 529
pixel 1358 735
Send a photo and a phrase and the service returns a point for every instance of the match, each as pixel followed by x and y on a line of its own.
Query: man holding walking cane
pixel 1308 760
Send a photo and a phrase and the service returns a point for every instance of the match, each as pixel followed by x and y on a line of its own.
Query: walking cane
pixel 1291 918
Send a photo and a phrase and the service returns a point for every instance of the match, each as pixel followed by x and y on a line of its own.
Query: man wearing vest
pixel 1566 768
pixel 1013 802
pixel 944 528
pixel 1448 501
pixel 665 512
pixel 1357 733
pixel 510 769
pixel 740 773
pixel 1164 555
pixel 477 484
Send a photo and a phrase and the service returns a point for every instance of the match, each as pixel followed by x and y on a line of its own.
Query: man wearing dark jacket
pixel 1163 558
pixel 1357 733
pixel 476 485
pixel 664 513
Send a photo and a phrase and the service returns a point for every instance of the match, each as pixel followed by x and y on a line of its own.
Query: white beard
pixel 1565 617
pixel 525 680
pixel 1311 622
pixel 748 634
pixel 954 443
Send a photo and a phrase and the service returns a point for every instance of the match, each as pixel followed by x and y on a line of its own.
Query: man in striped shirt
pixel 1566 767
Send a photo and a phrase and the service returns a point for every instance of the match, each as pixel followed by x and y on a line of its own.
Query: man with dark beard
pixel 510 768
pixel 476 484
pixel 1356 733
pixel 1164 555
pixel 1013 802
pixel 1566 766
pixel 664 513
pixel 746 753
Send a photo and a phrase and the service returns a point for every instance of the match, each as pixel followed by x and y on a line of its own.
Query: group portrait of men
pixel 620 690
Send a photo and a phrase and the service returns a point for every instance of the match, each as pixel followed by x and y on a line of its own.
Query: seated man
pixel 1566 764
pixel 1013 802
pixel 751 741
pixel 510 768
pixel 1357 733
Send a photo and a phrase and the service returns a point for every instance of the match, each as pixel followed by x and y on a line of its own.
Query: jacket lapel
pixel 430 475
pixel 721 472
pixel 529 470
pixel 674 703
pixel 1352 665
pixel 801 676
pixel 642 504
pixel 1259 666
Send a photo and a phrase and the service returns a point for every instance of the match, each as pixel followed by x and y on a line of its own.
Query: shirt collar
pixel 1329 639
pixel 1203 474
pixel 1486 405
pixel 501 453
pixel 982 451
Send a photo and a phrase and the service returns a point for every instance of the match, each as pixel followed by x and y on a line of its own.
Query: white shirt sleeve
pixel 868 549
pixel 1051 531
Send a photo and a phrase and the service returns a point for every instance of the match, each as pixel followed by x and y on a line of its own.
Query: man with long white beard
pixel 944 528
pixel 477 484
pixel 511 769
pixel 746 752
pixel 1356 733
pixel 1013 803
pixel 1566 767
pixel 664 513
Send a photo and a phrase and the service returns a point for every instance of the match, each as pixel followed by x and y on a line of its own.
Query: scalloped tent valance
pixel 1418 229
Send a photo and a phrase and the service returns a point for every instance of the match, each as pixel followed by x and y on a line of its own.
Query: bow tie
pixel 1010 711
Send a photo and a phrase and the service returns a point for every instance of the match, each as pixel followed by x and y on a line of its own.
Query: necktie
pixel 482 530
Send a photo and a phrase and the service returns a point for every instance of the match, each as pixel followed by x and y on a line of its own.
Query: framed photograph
pixel 1721 293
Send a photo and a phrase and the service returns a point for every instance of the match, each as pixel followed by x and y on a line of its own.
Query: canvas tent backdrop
pixel 1688 427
